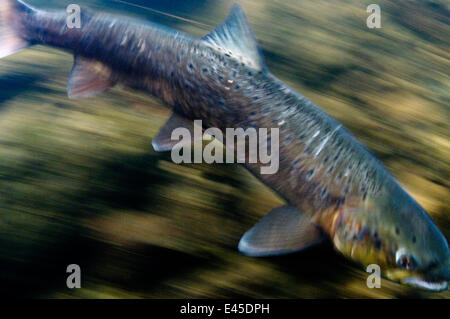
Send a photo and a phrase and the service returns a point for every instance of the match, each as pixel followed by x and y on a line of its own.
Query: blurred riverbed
pixel 81 184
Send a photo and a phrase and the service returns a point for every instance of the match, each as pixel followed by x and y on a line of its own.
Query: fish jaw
pixel 428 285
pixel 435 280
pixel 419 281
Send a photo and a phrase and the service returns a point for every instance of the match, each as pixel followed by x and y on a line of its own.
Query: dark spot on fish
pixel 220 78
pixel 331 169
pixel 324 193
pixel 250 73
pixel 234 74
pixel 172 73
pixel 335 158
pixel 255 98
pixel 288 138
pixel 237 87
pixel 360 235
pixel 364 196
pixel 253 113
pixel 339 177
pixel 397 230
pixel 325 160
pixel 295 163
pixel 414 239
pixel 377 243
pixel 191 66
pixel 301 137
pixel 205 70
pixel 310 174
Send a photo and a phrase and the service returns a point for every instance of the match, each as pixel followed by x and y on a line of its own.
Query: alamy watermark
pixel 73 19
pixel 74 279
pixel 374 19
pixel 237 149
pixel 374 279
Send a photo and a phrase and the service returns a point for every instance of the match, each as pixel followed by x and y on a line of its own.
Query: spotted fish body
pixel 329 180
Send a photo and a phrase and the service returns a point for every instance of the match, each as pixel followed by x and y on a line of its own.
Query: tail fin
pixel 13 14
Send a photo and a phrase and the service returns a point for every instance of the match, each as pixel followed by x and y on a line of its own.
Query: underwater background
pixel 81 184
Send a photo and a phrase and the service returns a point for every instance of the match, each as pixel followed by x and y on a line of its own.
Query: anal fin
pixel 282 231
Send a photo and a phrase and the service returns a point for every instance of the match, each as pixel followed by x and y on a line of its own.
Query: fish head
pixel 397 235
pixel 418 252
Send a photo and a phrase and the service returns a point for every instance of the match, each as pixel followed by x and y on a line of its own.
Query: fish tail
pixel 14 15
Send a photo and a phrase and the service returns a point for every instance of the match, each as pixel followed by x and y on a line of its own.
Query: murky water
pixel 80 182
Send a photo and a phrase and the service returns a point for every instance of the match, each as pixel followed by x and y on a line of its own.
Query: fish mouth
pixel 425 284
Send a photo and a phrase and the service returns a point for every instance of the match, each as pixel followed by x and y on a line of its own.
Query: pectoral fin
pixel 88 78
pixel 282 231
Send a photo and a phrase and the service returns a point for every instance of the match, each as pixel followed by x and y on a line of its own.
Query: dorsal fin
pixel 235 37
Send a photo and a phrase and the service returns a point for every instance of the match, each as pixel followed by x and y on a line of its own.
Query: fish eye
pixel 406 262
